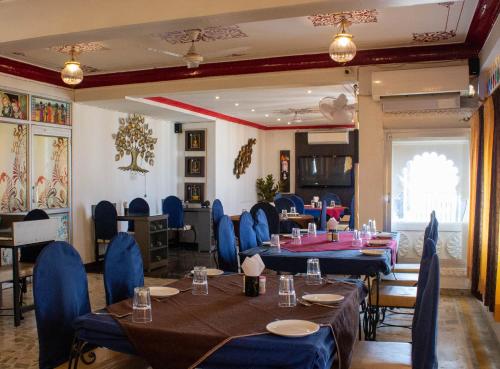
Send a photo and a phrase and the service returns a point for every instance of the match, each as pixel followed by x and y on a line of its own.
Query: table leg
pixel 16 287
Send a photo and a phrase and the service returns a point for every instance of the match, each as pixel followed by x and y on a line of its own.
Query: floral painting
pixel 51 171
pixel 50 111
pixel 13 169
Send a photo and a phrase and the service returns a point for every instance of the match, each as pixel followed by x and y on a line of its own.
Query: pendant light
pixel 72 73
pixel 342 48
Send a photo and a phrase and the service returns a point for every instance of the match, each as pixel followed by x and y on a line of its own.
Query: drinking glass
pixel 284 214
pixel 332 203
pixel 313 276
pixel 313 203
pixel 293 210
pixel 370 227
pixel 200 283
pixel 275 240
pixel 287 297
pixel 373 229
pixel 364 231
pixel 141 307
pixel 295 232
pixel 356 238
pixel 311 229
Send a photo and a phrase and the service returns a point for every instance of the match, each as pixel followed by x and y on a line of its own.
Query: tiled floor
pixel 465 339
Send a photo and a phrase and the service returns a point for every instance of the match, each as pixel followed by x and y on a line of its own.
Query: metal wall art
pixel 244 158
pixel 135 138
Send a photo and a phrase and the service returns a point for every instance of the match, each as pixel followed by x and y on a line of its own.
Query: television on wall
pixel 325 171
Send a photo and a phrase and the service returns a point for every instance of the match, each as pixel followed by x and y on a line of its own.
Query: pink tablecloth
pixel 335 212
pixel 320 243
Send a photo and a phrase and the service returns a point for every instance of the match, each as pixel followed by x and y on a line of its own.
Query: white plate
pixel 372 252
pixel 211 272
pixel 293 214
pixel 384 235
pixel 292 328
pixel 163 291
pixel 268 243
pixel 378 242
pixel 323 298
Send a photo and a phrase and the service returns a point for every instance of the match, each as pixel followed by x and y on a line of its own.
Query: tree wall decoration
pixel 134 138
pixel 244 158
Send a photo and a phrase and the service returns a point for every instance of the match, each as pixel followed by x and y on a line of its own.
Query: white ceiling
pixel 387 27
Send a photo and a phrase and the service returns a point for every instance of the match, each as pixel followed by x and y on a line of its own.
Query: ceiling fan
pixel 337 109
pixel 298 115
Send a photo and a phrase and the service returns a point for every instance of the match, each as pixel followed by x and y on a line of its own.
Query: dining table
pixel 332 211
pixel 301 220
pixel 227 329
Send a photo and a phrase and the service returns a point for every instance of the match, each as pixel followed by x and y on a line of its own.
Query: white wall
pixel 274 142
pixel 96 175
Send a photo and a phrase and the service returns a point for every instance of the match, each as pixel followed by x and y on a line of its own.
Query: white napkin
pixel 316 198
pixel 253 266
pixel 331 224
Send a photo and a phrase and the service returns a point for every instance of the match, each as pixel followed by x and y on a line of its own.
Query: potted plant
pixel 267 188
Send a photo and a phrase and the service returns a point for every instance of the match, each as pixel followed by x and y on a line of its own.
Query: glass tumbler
pixel 284 214
pixel 287 297
pixel 275 240
pixel 332 204
pixel 293 210
pixel 141 306
pixel 313 276
pixel 295 232
pixel 311 229
pixel 356 238
pixel 200 283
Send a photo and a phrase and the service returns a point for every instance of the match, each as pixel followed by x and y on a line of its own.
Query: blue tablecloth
pixel 331 262
pixel 257 352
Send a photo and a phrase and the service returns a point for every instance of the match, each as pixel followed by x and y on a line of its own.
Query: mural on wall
pixel 285 170
pixel 50 166
pixel 13 168
pixel 50 111
pixel 244 158
pixel 14 105
pixel 135 138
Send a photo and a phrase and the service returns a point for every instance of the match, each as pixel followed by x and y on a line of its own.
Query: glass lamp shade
pixel 342 48
pixel 72 73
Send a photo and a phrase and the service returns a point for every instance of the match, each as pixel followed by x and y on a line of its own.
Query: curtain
pixel 473 197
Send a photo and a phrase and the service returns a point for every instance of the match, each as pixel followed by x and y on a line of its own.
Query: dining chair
pixel 298 203
pixel 137 206
pixel 329 197
pixel 172 206
pixel 261 227
pixel 322 216
pixel 123 268
pixel 217 213
pixel 272 216
pixel 105 226
pixel 61 295
pixel 283 203
pixel 248 237
pixel 421 354
pixel 226 252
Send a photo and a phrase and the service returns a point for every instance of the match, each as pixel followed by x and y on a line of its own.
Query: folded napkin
pixel 332 224
pixel 253 266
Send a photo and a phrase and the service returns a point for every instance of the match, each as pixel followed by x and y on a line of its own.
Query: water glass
pixel 284 214
pixel 313 276
pixel 364 231
pixel 373 229
pixel 332 203
pixel 141 306
pixel 275 240
pixel 287 297
pixel 200 283
pixel 356 238
pixel 311 229
pixel 293 210
pixel 295 232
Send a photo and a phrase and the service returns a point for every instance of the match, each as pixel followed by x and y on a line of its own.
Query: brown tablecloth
pixel 186 329
pixel 302 221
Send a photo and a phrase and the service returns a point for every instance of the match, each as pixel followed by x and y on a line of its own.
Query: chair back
pixel 277 196
pixel 428 252
pixel 61 295
pixel 434 228
pixel 248 237
pixel 261 227
pixel 226 250
pixel 272 216
pixel 322 216
pixel 329 197
pixel 217 213
pixel 29 254
pixel 137 206
pixel 123 269
pixel 105 221
pixel 425 324
pixel 283 203
pixel 298 203
pixel 352 216
pixel 172 206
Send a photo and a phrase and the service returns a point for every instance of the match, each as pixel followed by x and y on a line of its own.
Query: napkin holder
pixel 252 267
pixel 251 286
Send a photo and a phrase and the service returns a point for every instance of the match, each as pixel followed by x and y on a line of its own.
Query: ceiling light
pixel 288 123
pixel 296 118
pixel 236 104
pixel 266 115
pixel 217 97
pixel 72 73
pixel 309 91
pixel 342 48
pixel 279 119
pixel 253 110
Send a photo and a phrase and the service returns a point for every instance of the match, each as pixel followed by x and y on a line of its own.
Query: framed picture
pixel 194 166
pixel 194 192
pixel 50 111
pixel 14 105
pixel 195 140
pixel 285 170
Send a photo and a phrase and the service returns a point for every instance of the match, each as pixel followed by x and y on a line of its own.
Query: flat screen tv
pixel 321 171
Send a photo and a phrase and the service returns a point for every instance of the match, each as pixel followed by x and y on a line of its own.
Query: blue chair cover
pixel 434 228
pixel 328 197
pixel 272 216
pixel 105 220
pixel 217 213
pixel 248 238
pixel 298 203
pixel 322 217
pixel 226 251
pixel 61 295
pixel 425 323
pixel 277 196
pixel 283 203
pixel 261 227
pixel 352 216
pixel 29 254
pixel 172 206
pixel 137 206
pixel 123 269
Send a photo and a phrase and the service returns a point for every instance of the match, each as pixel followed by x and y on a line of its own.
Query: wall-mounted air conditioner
pixel 326 138
pixel 431 102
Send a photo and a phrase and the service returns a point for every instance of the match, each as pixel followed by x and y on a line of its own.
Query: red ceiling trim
pixel 33 72
pixel 231 119
pixel 486 14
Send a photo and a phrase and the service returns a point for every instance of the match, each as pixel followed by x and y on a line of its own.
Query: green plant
pixel 267 188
